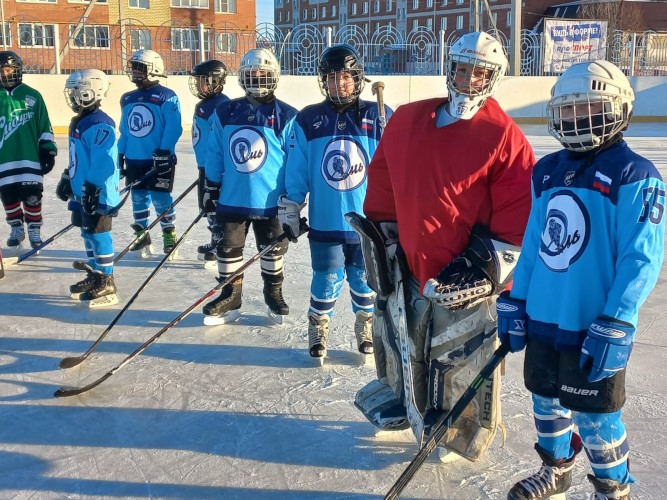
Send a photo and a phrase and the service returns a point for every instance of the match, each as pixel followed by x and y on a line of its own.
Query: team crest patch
pixel 344 164
pixel 569 177
pixel 248 149
pixel 342 125
pixel 251 118
pixel 140 122
pixel 29 101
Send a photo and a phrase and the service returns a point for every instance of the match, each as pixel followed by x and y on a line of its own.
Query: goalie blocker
pixel 452 341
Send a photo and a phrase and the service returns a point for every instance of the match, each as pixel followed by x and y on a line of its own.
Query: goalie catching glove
pixel 485 268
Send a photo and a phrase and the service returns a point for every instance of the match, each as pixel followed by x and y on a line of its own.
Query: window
pixel 35 35
pixel 324 12
pixel 333 11
pixel 197 4
pixel 279 3
pixel 365 7
pixel 354 9
pixel 187 39
pixel 389 5
pixel 429 23
pixel 280 16
pixel 40 1
pixel 495 18
pixel 87 1
pixel 443 24
pixel 305 14
pixel 508 19
pixel 429 3
pixel 415 4
pixel 459 22
pixel 376 6
pixel 5 32
pixel 229 7
pixel 459 2
pixel 140 39
pixel 443 3
pixel 139 4
pixel 415 24
pixel 287 16
pixel 313 13
pixel 225 42
pixel 377 26
pixel 90 37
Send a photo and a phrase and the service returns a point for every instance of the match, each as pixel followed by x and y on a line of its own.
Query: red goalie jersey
pixel 440 182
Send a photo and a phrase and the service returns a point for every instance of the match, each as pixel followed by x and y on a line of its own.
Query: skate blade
pixel 76 296
pixel 447 457
pixel 173 256
pixel 365 359
pixel 276 318
pixel 211 265
pixel 318 362
pixel 9 261
pixel 143 253
pixel 202 257
pixel 223 319
pixel 106 301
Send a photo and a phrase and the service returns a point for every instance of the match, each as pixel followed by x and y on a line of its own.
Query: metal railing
pixel 66 47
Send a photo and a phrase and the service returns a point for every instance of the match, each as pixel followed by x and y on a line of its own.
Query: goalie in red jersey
pixel 447 204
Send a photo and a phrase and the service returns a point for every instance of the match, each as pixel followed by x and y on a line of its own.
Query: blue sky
pixel 264 11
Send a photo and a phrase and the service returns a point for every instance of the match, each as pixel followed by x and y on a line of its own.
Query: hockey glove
pixel 121 165
pixel 288 216
pixel 210 197
pixel 64 187
pixel 511 321
pixel 606 348
pixel 90 198
pixel 163 161
pixel 484 268
pixel 47 159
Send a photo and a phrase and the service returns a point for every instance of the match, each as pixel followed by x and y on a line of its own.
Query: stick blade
pixel 71 362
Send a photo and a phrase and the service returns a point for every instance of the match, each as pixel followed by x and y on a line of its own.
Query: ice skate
pixel 34 234
pixel 86 284
pixel 169 242
pixel 318 332
pixel 207 253
pixel 225 308
pixel 16 236
pixel 447 457
pixel 103 292
pixel 363 331
pixel 608 489
pixel 273 297
pixel 552 480
pixel 142 248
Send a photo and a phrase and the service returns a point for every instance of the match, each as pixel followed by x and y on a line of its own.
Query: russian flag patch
pixel 602 183
pixel 367 124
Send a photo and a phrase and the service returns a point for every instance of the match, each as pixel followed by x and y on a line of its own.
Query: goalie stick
pixel 154 223
pixel 377 89
pixel 73 391
pixel 444 423
pixel 72 361
pixel 112 213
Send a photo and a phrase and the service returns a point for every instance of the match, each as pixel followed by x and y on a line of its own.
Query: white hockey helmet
pixel 85 88
pixel 590 103
pixel 143 65
pixel 259 73
pixel 475 66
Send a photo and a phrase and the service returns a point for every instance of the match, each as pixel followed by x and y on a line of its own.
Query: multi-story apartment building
pixel 105 34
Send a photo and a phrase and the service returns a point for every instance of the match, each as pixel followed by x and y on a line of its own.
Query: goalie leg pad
pixel 461 343
pixel 381 406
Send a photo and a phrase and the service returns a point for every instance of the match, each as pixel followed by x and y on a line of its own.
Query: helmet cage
pixel 258 80
pixel 204 86
pixel 138 71
pixel 591 119
pixel 14 78
pixel 480 77
pixel 85 88
pixel 339 75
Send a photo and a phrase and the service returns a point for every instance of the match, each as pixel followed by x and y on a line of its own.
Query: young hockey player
pixel 450 183
pixel 245 174
pixel 90 183
pixel 207 80
pixel 595 241
pixel 150 127
pixel 27 151
pixel 328 156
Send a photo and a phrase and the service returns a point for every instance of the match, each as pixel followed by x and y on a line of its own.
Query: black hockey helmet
pixel 337 59
pixel 208 78
pixel 12 77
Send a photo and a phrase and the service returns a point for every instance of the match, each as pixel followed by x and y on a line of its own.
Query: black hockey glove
pixel 211 196
pixel 121 165
pixel 64 187
pixel 90 198
pixel 163 161
pixel 47 159
pixel 483 269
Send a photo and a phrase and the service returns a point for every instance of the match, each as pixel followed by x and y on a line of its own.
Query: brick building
pixel 107 33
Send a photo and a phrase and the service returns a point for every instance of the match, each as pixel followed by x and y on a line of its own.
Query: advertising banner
pixel 567 42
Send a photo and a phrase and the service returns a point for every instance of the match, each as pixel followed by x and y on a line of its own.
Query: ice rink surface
pixel 241 411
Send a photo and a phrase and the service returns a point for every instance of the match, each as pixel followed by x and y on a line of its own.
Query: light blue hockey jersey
pixel 202 123
pixel 328 157
pixel 594 242
pixel 93 157
pixel 247 153
pixel 150 119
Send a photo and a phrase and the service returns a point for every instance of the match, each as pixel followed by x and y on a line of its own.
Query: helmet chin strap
pixel 146 84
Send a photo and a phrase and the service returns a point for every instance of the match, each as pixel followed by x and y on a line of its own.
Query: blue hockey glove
pixel 163 161
pixel 606 348
pixel 90 198
pixel 511 321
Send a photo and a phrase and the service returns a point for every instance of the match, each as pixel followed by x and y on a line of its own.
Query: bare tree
pixel 619 15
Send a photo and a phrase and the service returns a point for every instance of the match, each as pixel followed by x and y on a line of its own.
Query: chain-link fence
pixel 66 47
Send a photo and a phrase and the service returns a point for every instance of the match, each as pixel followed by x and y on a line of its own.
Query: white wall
pixel 524 98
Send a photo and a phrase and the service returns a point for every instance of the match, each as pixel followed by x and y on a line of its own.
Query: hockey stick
pixel 73 391
pixel 444 423
pixel 112 213
pixel 154 223
pixel 377 89
pixel 2 266
pixel 75 360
